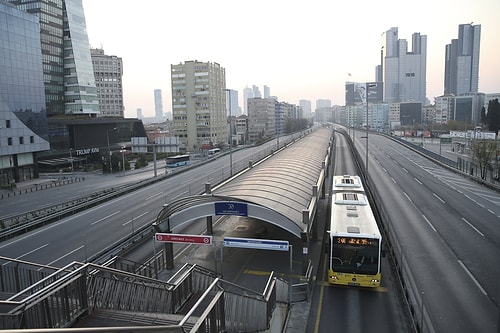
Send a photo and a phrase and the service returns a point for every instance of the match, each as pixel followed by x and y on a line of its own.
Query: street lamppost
pixel 230 135
pixel 123 159
pixel 109 150
pixel 71 158
pixel 368 86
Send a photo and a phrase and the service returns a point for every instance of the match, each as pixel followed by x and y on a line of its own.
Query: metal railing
pixel 76 292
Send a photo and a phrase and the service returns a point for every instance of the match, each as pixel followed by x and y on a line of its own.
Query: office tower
pixel 267 92
pixel 247 93
pixel 108 72
pixel 306 108
pixel 67 65
pixel 158 104
pixel 256 92
pixel 462 61
pixel 232 102
pixel 199 104
pixel 323 103
pixel 23 120
pixel 403 72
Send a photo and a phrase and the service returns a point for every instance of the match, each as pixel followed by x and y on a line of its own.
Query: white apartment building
pixel 199 105
pixel 108 72
pixel 444 108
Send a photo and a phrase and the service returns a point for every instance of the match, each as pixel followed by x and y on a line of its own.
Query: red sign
pixel 182 238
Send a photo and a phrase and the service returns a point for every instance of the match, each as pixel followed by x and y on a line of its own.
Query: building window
pixel 32 139
pixel 9 141
pixel 21 140
pixel 7 123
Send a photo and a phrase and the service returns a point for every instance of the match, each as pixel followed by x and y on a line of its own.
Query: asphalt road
pixel 447 231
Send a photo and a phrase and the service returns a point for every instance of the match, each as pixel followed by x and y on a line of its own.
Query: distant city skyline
pixel 309 60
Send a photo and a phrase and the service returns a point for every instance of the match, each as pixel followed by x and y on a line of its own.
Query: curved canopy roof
pixel 277 190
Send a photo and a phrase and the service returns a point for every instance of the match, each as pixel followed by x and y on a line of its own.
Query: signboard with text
pixel 261 244
pixel 231 208
pixel 183 238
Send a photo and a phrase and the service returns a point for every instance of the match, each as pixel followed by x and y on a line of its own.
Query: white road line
pixel 407 197
pixel 154 195
pixel 105 217
pixel 23 255
pixel 429 223
pixel 418 181
pixel 67 254
pixel 473 278
pixel 393 180
pixel 473 227
pixel 405 170
pixel 139 216
pixel 437 196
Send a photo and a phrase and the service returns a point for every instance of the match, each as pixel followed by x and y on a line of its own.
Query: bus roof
pixel 352 216
pixel 347 182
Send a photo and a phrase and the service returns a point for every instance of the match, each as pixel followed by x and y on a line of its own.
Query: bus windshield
pixel 355 255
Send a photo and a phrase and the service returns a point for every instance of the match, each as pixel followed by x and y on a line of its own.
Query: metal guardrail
pixel 14 225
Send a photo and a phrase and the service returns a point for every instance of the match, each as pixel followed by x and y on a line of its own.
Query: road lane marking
pixel 407 197
pixel 139 216
pixel 418 181
pixel 25 254
pixel 473 227
pixel 473 278
pixel 67 254
pixel 154 195
pixel 437 197
pixel 105 217
pixel 429 223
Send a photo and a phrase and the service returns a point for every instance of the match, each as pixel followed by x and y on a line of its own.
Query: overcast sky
pixel 300 49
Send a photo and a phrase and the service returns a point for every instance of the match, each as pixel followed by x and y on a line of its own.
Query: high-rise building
pixel 323 103
pixel 267 92
pixel 247 93
pixel 23 120
pixel 232 102
pixel 158 104
pixel 256 92
pixel 67 65
pixel 445 108
pixel 462 61
pixel 261 118
pixel 108 72
pixel 403 72
pixel 199 104
pixel 306 108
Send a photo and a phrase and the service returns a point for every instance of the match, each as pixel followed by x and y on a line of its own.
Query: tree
pixel 484 151
pixel 493 115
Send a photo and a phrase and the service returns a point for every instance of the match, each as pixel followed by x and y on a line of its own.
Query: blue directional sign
pixel 231 208
pixel 252 243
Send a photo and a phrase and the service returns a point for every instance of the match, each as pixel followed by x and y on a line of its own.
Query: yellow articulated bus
pixel 355 240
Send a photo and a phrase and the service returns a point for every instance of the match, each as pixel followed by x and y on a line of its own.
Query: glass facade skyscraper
pixel 67 65
pixel 462 61
pixel 404 72
pixel 23 120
